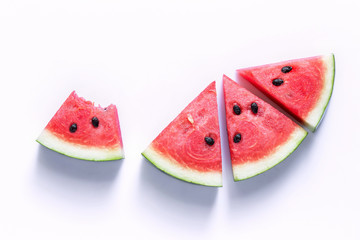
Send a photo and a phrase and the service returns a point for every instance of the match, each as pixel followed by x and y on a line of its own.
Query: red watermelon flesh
pixel 305 89
pixel 97 135
pixel 181 149
pixel 266 137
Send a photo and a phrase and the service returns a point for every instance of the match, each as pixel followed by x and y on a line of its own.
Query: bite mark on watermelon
pixel 306 90
pixel 267 137
pixel 181 150
pixel 88 141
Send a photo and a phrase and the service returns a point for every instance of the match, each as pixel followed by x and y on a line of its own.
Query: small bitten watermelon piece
pixel 189 147
pixel 81 130
pixel 302 87
pixel 259 135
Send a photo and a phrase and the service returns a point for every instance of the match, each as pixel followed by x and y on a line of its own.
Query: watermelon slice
pixel 81 130
pixel 189 147
pixel 303 87
pixel 259 135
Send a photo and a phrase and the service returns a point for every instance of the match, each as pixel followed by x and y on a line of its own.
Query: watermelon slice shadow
pixel 62 172
pixel 152 180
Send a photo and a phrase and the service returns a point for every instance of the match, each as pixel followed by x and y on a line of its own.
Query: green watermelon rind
pixel 50 141
pixel 319 111
pixel 246 171
pixel 169 166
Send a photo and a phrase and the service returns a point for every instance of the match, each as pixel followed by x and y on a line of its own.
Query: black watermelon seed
pixel 95 122
pixel 254 107
pixel 236 109
pixel 73 127
pixel 237 138
pixel 209 141
pixel 286 69
pixel 277 81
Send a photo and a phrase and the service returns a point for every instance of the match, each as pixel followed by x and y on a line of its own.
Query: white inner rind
pixel 52 142
pixel 250 169
pixel 314 117
pixel 176 170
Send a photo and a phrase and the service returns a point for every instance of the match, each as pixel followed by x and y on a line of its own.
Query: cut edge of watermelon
pixel 251 169
pixel 314 117
pixel 56 144
pixel 169 166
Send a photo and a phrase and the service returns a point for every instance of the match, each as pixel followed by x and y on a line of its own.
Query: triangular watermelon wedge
pixel 259 135
pixel 302 87
pixel 189 147
pixel 81 130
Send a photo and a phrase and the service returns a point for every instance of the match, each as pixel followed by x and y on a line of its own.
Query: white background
pixel 151 58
